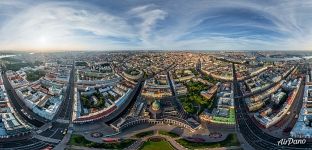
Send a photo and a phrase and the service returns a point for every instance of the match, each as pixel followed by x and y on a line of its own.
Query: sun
pixel 43 40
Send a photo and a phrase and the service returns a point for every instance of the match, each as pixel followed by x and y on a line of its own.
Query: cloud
pixel 149 15
pixel 248 25
pixel 59 21
pixel 160 25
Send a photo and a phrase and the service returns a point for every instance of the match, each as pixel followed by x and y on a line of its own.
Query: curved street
pixel 257 138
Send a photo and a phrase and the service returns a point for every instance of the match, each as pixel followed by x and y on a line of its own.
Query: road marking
pixel 54 132
pixel 62 121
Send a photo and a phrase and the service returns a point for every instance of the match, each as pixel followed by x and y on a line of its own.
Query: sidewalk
pixel 243 142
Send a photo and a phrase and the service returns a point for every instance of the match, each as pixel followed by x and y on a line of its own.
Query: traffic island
pixel 144 134
pixel 170 134
pixel 79 140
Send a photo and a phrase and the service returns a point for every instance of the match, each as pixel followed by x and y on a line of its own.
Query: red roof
pixel 97 116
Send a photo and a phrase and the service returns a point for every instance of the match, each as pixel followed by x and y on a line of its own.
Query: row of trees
pixel 16 64
pixel 34 75
pixel 90 104
pixel 194 98
pixel 79 140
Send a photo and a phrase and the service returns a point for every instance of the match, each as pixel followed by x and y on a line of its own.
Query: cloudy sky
pixel 158 24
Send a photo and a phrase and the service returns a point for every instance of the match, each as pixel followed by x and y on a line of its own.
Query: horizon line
pixel 189 50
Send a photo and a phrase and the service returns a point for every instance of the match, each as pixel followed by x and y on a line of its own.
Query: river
pixel 4 56
pixel 284 59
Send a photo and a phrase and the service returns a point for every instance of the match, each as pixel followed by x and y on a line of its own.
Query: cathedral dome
pixel 156 105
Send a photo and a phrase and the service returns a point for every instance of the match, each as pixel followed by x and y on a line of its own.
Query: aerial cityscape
pixel 161 75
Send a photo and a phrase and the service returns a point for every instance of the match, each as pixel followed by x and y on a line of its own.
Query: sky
pixel 155 25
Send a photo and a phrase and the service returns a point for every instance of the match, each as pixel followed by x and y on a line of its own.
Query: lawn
pixel 231 140
pixel 79 140
pixel 228 120
pixel 159 145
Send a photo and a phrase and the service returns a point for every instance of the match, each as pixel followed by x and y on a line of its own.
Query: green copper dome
pixel 156 105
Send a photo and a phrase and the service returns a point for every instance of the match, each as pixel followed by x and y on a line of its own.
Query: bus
pixel 111 140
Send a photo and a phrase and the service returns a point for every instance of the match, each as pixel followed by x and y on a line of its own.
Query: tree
pixel 85 101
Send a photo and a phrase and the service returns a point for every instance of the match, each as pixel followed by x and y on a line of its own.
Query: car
pixel 65 131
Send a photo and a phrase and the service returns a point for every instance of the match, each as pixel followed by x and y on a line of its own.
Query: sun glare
pixel 43 40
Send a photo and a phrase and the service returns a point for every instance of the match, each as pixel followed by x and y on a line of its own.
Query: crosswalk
pixel 62 121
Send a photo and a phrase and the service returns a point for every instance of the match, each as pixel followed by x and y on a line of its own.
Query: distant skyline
pixel 161 24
